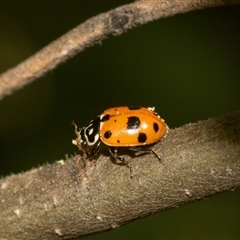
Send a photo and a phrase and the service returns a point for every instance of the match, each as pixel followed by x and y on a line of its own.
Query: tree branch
pixel 94 30
pixel 70 198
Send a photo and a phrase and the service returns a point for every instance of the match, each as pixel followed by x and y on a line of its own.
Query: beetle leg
pixel 156 155
pixel 93 151
pixel 114 152
pixel 146 150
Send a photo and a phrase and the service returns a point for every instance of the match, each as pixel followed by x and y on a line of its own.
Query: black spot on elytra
pixel 155 127
pixel 133 108
pixel 107 134
pixel 142 137
pixel 133 122
pixel 105 118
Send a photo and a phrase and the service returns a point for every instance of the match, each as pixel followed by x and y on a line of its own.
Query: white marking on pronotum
pixel 96 138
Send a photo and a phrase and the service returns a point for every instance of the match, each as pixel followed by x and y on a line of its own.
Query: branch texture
pixel 96 29
pixel 75 198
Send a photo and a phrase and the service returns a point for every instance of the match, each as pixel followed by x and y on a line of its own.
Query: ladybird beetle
pixel 135 128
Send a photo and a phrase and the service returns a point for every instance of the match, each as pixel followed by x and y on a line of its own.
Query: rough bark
pixel 75 198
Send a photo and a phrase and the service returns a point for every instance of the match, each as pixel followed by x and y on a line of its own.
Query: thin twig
pixel 94 30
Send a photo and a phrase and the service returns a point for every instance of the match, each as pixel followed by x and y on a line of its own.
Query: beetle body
pixel 131 127
pixel 121 127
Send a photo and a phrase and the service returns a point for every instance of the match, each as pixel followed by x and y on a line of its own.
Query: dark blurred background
pixel 187 66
